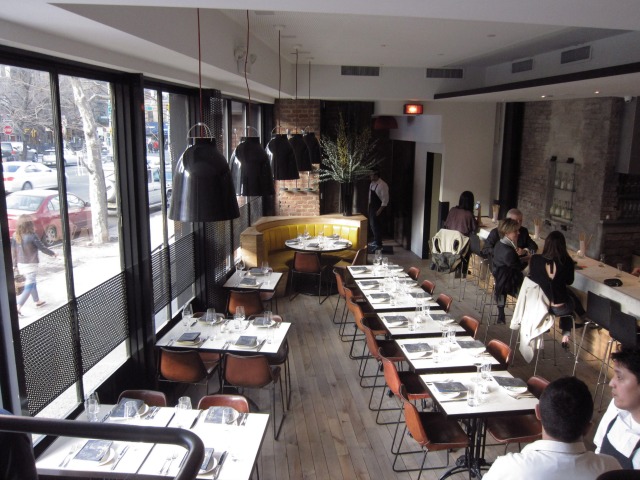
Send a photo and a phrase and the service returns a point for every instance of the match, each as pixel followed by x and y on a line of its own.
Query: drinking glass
pixel 451 334
pixel 602 259
pixel 385 262
pixel 265 268
pixel 187 313
pixel 378 256
pixel 92 406
pixel 239 313
pixel 182 411
pixel 620 267
pixel 473 395
pixel 485 369
pixel 241 266
pixel 478 364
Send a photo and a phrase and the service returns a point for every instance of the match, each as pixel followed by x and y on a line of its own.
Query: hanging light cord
pixel 200 71
pixel 246 58
pixel 279 79
pixel 297 110
pixel 309 79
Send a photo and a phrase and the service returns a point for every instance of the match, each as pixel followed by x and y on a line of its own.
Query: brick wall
pixel 298 115
pixel 587 130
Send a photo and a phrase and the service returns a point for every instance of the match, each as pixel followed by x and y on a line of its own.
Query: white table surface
pixel 266 283
pixel 369 271
pixel 457 358
pixel 328 246
pixel 427 326
pixel 401 301
pixel 217 344
pixel 496 402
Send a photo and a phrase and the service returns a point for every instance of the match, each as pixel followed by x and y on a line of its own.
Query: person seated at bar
pixel 525 243
pixel 461 217
pixel 506 265
pixel 565 411
pixel 618 434
pixel 553 270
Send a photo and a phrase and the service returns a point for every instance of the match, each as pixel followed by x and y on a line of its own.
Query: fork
pixel 170 459
pixel 65 461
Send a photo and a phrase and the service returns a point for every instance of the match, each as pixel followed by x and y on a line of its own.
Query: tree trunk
pixel 93 162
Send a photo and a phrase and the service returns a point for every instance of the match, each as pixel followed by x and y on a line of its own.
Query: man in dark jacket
pixel 524 245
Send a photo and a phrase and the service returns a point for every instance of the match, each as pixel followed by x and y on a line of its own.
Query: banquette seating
pixel 264 241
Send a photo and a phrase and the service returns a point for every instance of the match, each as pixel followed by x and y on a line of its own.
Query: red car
pixel 44 208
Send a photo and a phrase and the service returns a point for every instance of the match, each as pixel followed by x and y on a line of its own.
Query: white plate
pixel 234 417
pixel 212 464
pixel 514 391
pixel 108 457
pixel 451 394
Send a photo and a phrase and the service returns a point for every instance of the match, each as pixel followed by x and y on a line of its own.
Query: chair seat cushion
pixel 443 433
pixel 516 428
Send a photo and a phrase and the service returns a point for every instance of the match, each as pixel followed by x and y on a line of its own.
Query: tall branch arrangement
pixel 349 157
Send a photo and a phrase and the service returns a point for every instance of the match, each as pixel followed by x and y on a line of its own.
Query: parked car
pixel 70 157
pixel 9 153
pixel 44 208
pixel 28 175
pixel 153 186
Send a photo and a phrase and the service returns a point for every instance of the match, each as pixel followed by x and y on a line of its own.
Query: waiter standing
pixel 378 200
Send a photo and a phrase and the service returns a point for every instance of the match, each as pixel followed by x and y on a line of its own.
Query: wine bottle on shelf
pixel 563 181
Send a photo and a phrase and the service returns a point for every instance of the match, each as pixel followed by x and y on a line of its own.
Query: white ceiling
pixel 472 34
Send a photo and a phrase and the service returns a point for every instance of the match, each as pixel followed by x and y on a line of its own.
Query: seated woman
pixel 553 270
pixel 461 218
pixel 506 265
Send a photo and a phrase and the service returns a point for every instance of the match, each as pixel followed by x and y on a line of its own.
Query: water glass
pixel 187 313
pixel 451 334
pixel 473 395
pixel 438 353
pixel 240 266
pixel 378 257
pixel 602 259
pixel 92 406
pixel 239 315
pixel 182 411
pixel 485 369
pixel 620 267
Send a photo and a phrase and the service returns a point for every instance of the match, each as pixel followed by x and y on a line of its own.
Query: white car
pixel 28 175
pixel 70 157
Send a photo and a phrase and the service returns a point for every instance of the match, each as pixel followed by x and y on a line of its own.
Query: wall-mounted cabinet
pixel 561 189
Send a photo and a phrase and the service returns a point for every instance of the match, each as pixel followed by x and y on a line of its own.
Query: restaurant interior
pixel 528 108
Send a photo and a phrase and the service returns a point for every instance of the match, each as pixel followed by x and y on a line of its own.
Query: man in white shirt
pixel 378 201
pixel 565 410
pixel 618 434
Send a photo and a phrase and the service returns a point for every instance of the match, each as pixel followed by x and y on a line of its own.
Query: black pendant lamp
pixel 250 166
pixel 282 158
pixel 301 152
pixel 313 145
pixel 250 169
pixel 202 186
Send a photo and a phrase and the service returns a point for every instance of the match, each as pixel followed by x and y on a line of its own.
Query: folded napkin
pixel 118 410
pixel 418 347
pixel 380 297
pixel 313 245
pixel 360 269
pixel 510 382
pixel 189 337
pixel 450 387
pixel 249 282
pixel 216 414
pixel 393 319
pixel 341 242
pixel 248 341
pixel 261 322
pixel 293 241
pixel 334 237
pixel 369 283
pixel 256 271
pixel 94 450
pixel 470 344
pixel 439 317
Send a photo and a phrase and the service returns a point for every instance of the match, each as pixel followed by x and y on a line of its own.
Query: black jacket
pixel 507 269
pixel 524 241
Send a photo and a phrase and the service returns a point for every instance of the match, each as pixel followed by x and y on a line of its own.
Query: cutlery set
pixel 119 457
pixel 167 463
pixel 72 451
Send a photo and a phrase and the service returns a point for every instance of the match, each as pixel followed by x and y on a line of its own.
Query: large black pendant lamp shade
pixel 250 169
pixel 282 158
pixel 313 145
pixel 301 151
pixel 202 185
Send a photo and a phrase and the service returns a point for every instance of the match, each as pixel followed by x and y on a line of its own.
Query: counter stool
pixel 553 339
pixel 598 313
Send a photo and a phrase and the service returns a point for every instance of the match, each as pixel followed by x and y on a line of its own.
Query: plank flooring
pixel 329 432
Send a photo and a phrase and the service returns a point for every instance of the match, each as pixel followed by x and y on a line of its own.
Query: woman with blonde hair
pixel 25 245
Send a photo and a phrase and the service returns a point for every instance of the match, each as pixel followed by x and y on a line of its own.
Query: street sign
pixel 8 130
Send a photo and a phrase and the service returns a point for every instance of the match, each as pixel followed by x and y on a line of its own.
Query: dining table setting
pixel 232 443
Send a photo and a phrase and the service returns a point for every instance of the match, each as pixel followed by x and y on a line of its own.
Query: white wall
pixel 464 133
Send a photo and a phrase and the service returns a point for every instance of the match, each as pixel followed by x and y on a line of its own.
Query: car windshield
pixel 11 168
pixel 27 203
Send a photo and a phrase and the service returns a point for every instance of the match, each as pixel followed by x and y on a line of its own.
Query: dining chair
pixel 186 366
pixel 249 299
pixel 519 428
pixel 598 313
pixel 238 402
pixel 358 335
pixel 470 325
pixel 433 431
pixel 281 358
pixel 153 398
pixel 394 354
pixel 428 286
pixel 414 273
pixel 307 263
pixel 500 351
pixel 254 371
pixel 620 475
pixel 444 301
pixel 415 390
pixel 340 285
pixel 271 299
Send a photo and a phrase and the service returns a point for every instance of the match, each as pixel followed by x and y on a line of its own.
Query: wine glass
pixel 239 317
pixel 187 313
pixel 602 259
pixel 240 266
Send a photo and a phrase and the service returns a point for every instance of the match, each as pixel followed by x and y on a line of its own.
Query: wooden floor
pixel 329 432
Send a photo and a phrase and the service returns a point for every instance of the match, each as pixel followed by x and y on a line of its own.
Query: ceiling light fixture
pixel 202 184
pixel 250 166
pixel 413 109
pixel 279 150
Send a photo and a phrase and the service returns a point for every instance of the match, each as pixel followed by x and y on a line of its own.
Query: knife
pixel 261 345
pixel 119 457
pixel 223 457
pixel 195 420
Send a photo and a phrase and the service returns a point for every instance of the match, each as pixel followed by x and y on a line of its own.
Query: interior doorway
pixel 431 197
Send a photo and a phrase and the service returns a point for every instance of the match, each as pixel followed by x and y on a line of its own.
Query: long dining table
pixel 236 444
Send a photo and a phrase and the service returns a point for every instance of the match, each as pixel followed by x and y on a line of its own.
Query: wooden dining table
pixel 241 440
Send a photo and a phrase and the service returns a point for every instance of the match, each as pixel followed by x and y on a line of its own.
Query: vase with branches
pixel 348 158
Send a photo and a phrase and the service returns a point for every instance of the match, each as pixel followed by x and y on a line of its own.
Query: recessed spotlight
pixel 383 45
pixel 597 92
pixel 491 35
pixel 441 54
pixel 543 96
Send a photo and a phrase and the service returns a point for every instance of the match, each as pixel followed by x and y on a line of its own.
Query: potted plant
pixel 346 159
